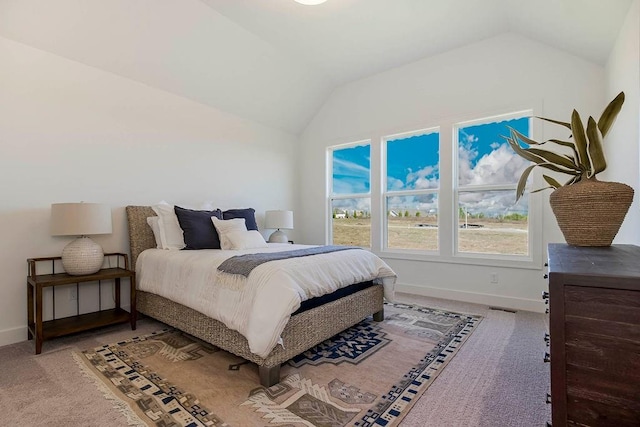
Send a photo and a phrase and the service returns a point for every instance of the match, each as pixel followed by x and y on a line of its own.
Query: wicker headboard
pixel 140 234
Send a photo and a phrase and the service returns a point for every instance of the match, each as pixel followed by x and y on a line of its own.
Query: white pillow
pixel 172 236
pixel 154 223
pixel 225 226
pixel 247 239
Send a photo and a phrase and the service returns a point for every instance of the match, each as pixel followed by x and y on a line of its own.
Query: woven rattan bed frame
pixel 303 331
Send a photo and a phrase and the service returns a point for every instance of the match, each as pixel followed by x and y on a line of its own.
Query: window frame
pixel 386 193
pixel 331 196
pixel 457 188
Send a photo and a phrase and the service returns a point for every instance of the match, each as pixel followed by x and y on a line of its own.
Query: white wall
pixel 69 133
pixel 622 143
pixel 494 74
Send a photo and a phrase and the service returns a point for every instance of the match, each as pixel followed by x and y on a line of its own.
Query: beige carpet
pixel 502 360
pixel 49 390
pixel 371 374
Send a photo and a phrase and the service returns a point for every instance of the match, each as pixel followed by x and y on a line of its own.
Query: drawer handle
pixel 546 311
pixel 547 338
pixel 546 264
pixel 545 295
pixel 547 357
pixel 546 276
pixel 548 398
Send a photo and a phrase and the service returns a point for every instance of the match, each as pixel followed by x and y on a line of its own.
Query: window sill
pixel 467 259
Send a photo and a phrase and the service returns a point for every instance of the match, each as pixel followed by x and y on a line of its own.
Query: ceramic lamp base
pixel 82 256
pixel 278 237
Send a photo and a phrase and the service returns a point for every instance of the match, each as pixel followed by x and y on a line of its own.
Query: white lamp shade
pixel 80 219
pixel 278 219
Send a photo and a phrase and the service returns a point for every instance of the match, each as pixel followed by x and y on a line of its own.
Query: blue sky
pixel 351 170
pixel 412 162
pixel 484 158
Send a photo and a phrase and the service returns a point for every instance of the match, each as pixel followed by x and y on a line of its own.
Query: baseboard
pixel 472 297
pixel 13 335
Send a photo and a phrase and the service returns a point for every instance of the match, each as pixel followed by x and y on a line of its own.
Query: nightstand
pixel 44 330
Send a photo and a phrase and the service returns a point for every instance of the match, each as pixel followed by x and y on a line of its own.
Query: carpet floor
pixel 497 378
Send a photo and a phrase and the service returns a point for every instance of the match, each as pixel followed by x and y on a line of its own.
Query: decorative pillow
pixel 199 232
pixel 248 214
pixel 172 236
pixel 224 227
pixel 248 239
pixel 154 223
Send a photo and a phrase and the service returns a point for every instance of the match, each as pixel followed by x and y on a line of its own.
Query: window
pixel 446 192
pixel 411 190
pixel 489 219
pixel 350 194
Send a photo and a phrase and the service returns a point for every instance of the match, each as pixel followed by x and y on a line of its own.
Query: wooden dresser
pixel 594 326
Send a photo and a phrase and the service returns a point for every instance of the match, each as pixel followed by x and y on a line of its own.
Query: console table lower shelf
pixel 41 330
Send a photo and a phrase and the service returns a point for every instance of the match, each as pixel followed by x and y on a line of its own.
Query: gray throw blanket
pixel 244 264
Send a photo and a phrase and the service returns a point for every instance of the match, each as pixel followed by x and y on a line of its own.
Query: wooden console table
pixel 44 330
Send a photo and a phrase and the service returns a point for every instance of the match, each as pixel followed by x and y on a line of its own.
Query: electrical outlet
pixel 73 294
pixel 494 277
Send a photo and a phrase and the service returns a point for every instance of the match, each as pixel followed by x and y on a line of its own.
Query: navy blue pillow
pixel 248 214
pixel 199 232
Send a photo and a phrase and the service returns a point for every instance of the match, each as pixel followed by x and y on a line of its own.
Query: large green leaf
pixel 563 143
pixel 581 140
pixel 565 124
pixel 556 168
pixel 526 152
pixel 522 182
pixel 543 188
pixel 595 150
pixel 552 157
pixel 524 138
pixel 513 143
pixel 552 182
pixel 610 113
pixel 530 141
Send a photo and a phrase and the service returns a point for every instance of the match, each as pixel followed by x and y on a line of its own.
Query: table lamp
pixel 278 220
pixel 83 255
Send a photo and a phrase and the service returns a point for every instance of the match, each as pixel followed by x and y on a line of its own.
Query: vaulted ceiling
pixel 276 61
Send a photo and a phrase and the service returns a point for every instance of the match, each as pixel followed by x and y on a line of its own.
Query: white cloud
pixel 500 166
pixel 426 177
pixel 354 178
pixel 395 184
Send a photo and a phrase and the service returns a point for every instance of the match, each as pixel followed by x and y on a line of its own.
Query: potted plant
pixel 589 212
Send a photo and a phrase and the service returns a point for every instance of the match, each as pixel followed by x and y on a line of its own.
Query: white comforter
pixel 260 308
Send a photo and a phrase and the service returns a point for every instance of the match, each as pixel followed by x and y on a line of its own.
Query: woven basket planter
pixel 591 212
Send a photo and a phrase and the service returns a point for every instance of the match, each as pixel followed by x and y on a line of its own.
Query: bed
pixel 309 326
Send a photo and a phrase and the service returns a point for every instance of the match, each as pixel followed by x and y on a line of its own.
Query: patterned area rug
pixel 369 375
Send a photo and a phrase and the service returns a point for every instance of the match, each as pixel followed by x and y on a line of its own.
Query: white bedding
pixel 259 308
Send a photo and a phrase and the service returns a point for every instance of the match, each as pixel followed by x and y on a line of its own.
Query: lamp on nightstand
pixel 278 220
pixel 83 255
